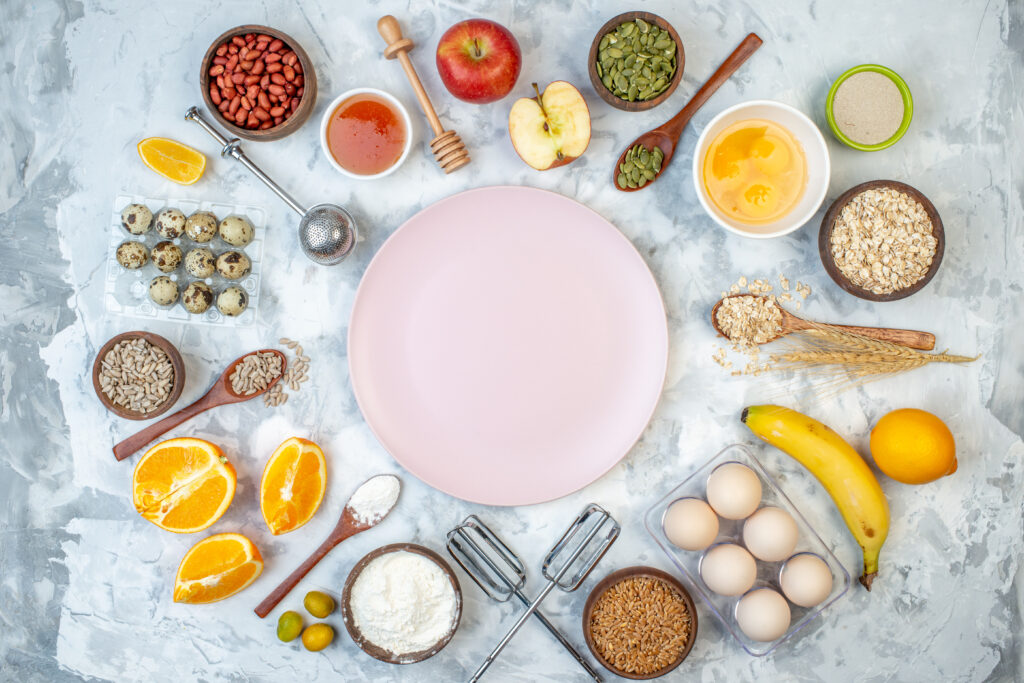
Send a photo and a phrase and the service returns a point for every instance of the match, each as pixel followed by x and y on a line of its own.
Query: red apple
pixel 479 60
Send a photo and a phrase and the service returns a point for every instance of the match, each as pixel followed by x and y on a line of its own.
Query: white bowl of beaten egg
pixel 761 169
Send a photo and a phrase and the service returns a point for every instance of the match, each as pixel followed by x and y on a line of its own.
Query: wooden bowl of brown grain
pixel 600 620
pixel 607 95
pixel 172 393
pixel 307 100
pixel 828 224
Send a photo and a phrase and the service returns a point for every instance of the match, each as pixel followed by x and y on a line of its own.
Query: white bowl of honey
pixel 366 133
pixel 761 169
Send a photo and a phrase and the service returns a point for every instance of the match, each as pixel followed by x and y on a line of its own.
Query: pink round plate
pixel 507 345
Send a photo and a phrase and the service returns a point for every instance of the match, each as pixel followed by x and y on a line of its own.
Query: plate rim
pixel 663 338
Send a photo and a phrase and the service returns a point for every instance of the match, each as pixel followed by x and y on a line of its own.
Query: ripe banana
pixel 840 469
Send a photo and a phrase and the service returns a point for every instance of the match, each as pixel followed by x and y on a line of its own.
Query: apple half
pixel 551 129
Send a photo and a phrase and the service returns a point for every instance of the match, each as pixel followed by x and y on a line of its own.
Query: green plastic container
pixel 908 107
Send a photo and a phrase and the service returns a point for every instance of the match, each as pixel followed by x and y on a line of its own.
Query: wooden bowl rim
pixel 379 652
pixel 173 355
pixel 619 576
pixel 606 94
pixel 302 112
pixel 828 224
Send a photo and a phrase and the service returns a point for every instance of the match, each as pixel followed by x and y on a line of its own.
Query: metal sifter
pixel 327 233
pixel 566 565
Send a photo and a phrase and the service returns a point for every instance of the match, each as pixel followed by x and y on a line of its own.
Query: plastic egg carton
pixel 126 292
pixel 730 531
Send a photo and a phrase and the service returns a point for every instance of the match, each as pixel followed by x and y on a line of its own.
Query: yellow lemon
pixel 913 446
pixel 173 160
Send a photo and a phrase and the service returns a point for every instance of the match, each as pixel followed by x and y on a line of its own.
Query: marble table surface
pixel 85 583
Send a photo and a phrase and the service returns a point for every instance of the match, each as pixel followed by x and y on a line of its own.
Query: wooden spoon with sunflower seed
pixel 650 153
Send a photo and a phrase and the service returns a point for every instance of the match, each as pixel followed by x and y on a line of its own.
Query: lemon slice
pixel 173 160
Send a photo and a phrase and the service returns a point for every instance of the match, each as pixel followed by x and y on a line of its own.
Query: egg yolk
pixel 755 171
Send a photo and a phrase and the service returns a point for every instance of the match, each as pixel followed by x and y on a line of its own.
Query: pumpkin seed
pixel 636 60
pixel 622 181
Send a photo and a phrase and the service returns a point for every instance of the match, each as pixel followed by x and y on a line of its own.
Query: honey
pixel 755 171
pixel 366 135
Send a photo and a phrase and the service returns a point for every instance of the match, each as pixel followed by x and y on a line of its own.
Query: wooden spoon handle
pixel 157 429
pixel 674 126
pixel 286 586
pixel 399 46
pixel 913 339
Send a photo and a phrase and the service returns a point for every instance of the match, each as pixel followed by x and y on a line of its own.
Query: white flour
pixel 403 602
pixel 375 498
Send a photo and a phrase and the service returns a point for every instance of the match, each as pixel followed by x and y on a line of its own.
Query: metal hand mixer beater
pixel 327 232
pixel 566 565
pixel 500 573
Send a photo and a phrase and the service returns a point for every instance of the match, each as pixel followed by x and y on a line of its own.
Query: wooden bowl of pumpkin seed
pixel 636 61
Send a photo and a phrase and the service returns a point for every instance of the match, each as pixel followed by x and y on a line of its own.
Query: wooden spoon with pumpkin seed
pixel 646 157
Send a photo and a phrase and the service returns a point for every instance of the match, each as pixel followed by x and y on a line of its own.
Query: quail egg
pixel 166 256
pixel 170 223
pixel 200 262
pixel 201 226
pixel 132 255
pixel 232 301
pixel 236 231
pixel 233 265
pixel 197 297
pixel 163 291
pixel 136 219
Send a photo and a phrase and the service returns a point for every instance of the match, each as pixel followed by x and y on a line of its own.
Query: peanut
pixel 255 81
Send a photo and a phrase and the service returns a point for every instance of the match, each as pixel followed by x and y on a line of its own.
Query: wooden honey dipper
pixel 448 149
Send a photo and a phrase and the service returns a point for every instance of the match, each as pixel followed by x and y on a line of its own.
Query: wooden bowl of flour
pixel 375 650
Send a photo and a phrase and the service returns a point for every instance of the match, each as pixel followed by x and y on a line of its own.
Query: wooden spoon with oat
pixel 788 322
pixel 221 393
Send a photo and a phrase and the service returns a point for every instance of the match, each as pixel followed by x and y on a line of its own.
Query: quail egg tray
pixel 731 531
pixel 126 292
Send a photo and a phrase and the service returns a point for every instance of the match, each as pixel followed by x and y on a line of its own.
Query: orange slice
pixel 173 160
pixel 183 485
pixel 216 568
pixel 293 485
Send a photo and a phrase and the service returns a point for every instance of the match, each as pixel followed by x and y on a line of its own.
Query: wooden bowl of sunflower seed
pixel 636 61
pixel 138 375
pixel 881 240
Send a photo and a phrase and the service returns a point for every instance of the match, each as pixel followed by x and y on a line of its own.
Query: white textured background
pixel 85 583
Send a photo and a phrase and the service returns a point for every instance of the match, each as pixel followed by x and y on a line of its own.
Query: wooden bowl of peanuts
pixel 259 82
pixel 138 375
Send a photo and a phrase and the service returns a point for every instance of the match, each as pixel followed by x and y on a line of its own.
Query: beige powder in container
pixel 868 108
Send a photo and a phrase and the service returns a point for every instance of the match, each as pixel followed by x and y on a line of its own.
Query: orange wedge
pixel 215 568
pixel 173 160
pixel 183 485
pixel 293 485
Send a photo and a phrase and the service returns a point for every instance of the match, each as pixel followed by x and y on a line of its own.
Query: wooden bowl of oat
pixel 138 375
pixel 881 240
pixel 639 605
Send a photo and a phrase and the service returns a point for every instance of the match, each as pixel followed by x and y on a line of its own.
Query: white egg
pixel 770 534
pixel 806 579
pixel 734 490
pixel 728 569
pixel 690 524
pixel 763 615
